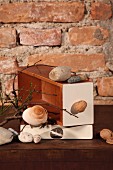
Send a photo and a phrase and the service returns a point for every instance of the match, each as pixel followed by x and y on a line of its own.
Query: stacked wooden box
pixel 57 98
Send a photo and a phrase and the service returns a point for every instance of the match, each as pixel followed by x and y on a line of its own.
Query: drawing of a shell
pixel 78 107
pixel 60 73
pixel 6 136
pixel 35 115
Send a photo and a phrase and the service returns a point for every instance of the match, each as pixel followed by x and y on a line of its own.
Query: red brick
pixel 105 86
pixel 36 37
pixel 101 11
pixel 78 62
pixel 91 35
pixel 8 65
pixel 42 11
pixel 7 37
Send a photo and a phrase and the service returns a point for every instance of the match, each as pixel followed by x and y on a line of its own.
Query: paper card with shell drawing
pixel 80 94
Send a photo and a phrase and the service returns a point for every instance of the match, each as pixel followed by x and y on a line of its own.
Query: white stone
pixel 6 136
pixel 60 73
pixel 25 137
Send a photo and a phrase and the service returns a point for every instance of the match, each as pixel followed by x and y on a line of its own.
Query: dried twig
pixel 7 119
pixel 15 100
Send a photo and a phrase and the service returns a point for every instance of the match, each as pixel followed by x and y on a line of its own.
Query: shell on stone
pixel 25 137
pixel 6 136
pixel 36 138
pixel 60 73
pixel 56 132
pixel 35 115
pixel 106 134
pixel 78 107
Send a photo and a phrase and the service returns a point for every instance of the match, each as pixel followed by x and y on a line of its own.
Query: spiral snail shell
pixel 35 115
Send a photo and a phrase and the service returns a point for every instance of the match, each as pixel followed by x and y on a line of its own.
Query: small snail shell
pixel 37 138
pixel 35 115
pixel 105 134
pixel 78 107
pixel 60 73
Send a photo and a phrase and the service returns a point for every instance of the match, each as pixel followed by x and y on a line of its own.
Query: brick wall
pixel 78 33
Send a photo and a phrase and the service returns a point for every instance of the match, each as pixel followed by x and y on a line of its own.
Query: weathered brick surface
pixel 36 37
pixel 105 86
pixel 78 62
pixel 91 35
pixel 7 37
pixel 101 11
pixel 103 102
pixel 8 65
pixel 8 85
pixel 59 33
pixel 42 11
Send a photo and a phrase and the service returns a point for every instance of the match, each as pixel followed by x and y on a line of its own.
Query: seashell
pixel 35 115
pixel 60 73
pixel 56 133
pixel 25 137
pixel 105 134
pixel 77 78
pixel 36 138
pixel 110 140
pixel 78 107
pixel 6 136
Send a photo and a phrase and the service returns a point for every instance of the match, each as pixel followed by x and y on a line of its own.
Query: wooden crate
pixel 56 97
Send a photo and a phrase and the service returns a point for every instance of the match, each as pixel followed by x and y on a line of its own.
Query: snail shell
pixel 37 138
pixel 60 73
pixel 35 115
pixel 78 107
pixel 106 134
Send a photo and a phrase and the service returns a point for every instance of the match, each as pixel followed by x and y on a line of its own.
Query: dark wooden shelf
pixel 93 154
pixel 57 154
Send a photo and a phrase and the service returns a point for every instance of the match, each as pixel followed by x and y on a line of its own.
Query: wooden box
pixel 56 97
